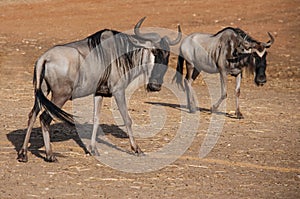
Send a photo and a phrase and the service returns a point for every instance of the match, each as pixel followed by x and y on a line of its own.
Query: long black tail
pixel 179 71
pixel 42 101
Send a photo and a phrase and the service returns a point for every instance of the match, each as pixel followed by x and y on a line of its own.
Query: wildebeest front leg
pixel 121 102
pixel 191 101
pixel 238 80
pixel 22 154
pixel 223 78
pixel 97 108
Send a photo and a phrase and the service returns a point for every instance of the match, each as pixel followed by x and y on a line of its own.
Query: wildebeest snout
pixel 260 80
pixel 153 87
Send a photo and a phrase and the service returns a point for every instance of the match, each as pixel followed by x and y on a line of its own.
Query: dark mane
pixel 126 55
pixel 95 39
pixel 245 36
pixel 241 59
pixel 240 32
pixel 227 28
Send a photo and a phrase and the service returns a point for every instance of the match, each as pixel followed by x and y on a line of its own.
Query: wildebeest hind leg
pixel 191 73
pixel 191 104
pixel 97 109
pixel 121 102
pixel 223 79
pixel 46 119
pixel 238 113
pixel 22 154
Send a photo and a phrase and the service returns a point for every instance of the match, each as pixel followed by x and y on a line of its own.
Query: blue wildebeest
pixel 225 52
pixel 102 64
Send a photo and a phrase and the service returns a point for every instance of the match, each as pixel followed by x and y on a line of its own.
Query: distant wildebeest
pixel 226 53
pixel 102 65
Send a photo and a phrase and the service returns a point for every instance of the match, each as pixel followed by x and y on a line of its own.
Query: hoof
pixel 51 158
pixel 193 110
pixel 137 151
pixel 140 154
pixel 22 156
pixel 239 115
pixel 213 109
pixel 93 151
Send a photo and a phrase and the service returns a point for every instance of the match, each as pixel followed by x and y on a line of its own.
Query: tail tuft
pixel 41 101
pixel 52 109
pixel 178 77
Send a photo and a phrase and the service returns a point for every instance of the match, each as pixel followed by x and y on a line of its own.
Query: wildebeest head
pixel 160 47
pixel 258 54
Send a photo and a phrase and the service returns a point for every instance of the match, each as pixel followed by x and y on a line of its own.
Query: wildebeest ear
pixel 141 43
pixel 270 42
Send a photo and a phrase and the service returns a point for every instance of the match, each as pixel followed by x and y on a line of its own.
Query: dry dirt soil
pixel 256 157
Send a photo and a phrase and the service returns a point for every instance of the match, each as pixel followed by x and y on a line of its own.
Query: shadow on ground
pixel 59 132
pixel 185 109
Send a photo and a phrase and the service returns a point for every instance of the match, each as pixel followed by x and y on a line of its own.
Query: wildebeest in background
pixel 102 64
pixel 225 52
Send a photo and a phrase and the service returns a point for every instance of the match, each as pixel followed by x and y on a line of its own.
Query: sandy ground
pixel 257 157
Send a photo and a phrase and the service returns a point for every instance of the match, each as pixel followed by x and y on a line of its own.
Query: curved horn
pixel 177 40
pixel 270 42
pixel 154 37
pixel 138 25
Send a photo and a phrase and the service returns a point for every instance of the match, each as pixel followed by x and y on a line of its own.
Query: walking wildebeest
pixel 225 52
pixel 102 64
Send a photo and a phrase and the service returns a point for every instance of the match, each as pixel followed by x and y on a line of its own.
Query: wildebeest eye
pixel 155 52
pixel 235 53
